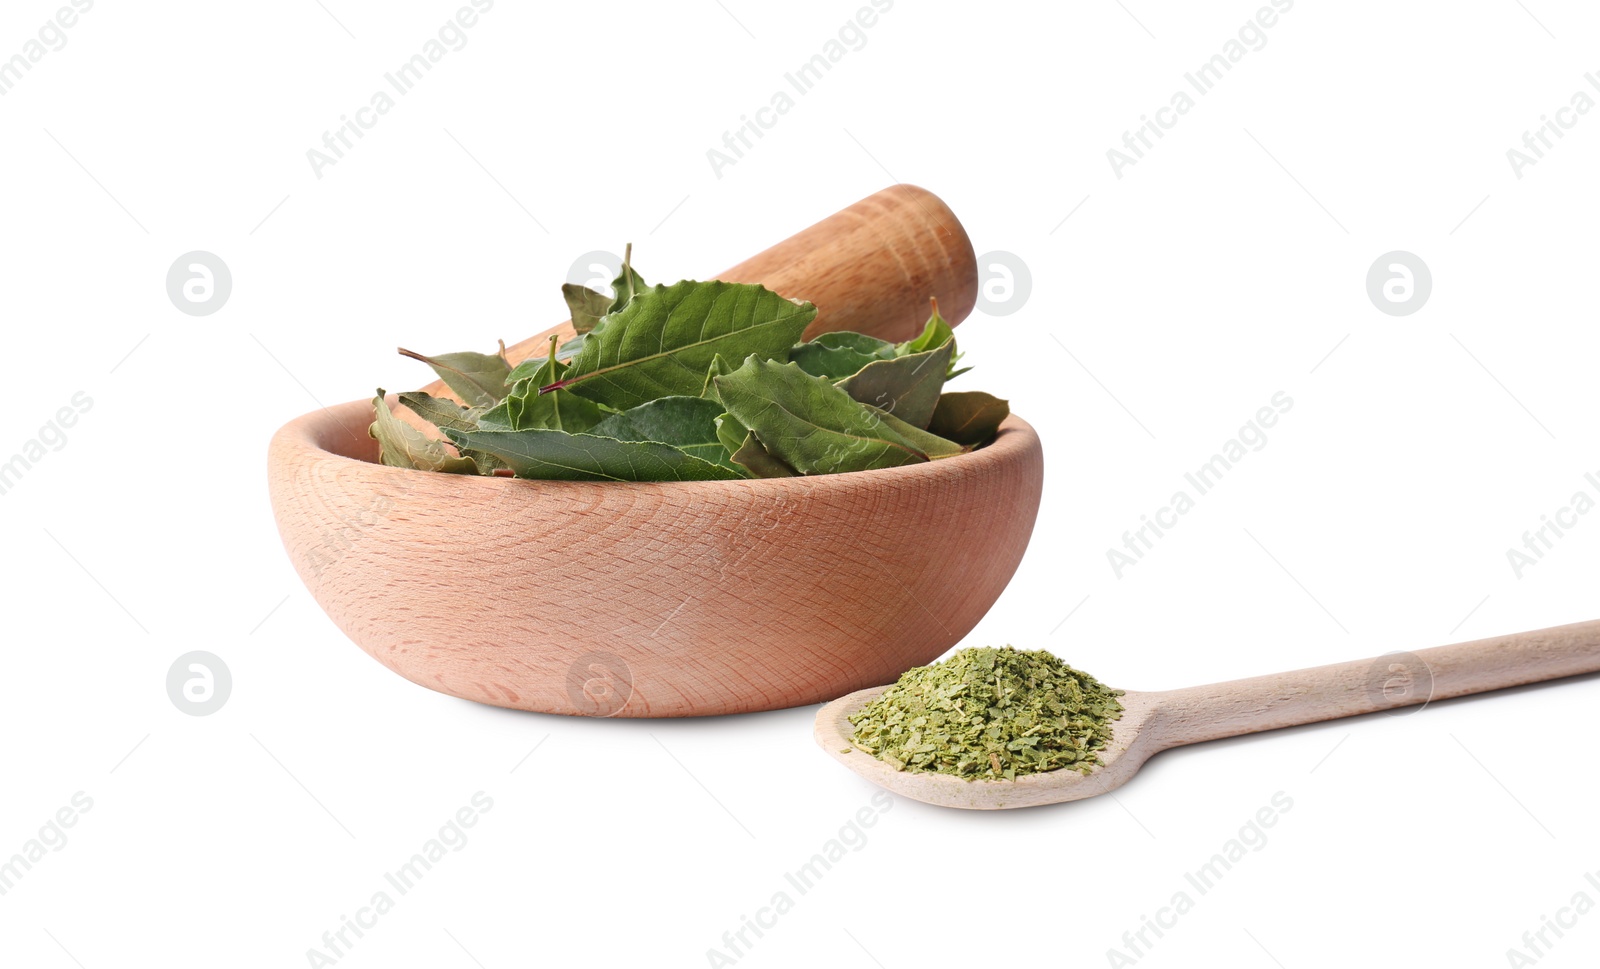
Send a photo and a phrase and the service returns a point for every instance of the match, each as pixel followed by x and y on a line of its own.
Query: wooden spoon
pixel 1153 722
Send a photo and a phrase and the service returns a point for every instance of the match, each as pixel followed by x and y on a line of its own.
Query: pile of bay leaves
pixel 691 382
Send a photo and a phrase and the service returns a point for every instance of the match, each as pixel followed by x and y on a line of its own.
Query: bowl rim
pixel 303 438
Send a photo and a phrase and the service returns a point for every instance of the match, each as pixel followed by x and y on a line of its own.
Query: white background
pixel 1227 265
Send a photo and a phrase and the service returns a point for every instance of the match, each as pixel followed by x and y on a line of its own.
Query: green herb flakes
pixel 990 713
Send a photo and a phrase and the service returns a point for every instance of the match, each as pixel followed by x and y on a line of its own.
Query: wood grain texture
pixel 693 598
pixel 1157 721
pixel 682 598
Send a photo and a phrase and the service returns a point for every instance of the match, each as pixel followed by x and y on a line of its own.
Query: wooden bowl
pixel 651 600
pixel 675 598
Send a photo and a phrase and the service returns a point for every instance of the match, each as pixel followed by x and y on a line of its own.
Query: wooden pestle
pixel 871 267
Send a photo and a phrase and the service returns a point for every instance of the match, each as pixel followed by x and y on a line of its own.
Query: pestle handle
pixel 871 267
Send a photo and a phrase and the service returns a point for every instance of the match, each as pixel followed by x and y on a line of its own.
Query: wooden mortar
pixel 677 598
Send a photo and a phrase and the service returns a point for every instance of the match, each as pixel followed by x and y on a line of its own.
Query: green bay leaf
pixel 810 424
pixel 479 379
pixel 527 409
pixel 718 367
pixel 907 387
pixel 559 456
pixel 585 305
pixel 524 408
pixel 441 411
pixel 754 457
pixel 402 446
pixel 934 446
pixel 934 334
pixel 628 283
pixel 839 354
pixel 533 365
pixel 731 433
pixel 969 417
pixel 663 342
pixel 687 423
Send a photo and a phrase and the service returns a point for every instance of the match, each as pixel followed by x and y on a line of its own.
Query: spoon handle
pixel 1386 682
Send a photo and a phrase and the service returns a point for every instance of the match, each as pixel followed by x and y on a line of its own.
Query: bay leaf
pixel 585 305
pixel 662 343
pixel 934 446
pixel 718 367
pixel 533 365
pixel 969 417
pixel 480 379
pixel 907 387
pixel 731 433
pixel 559 456
pixel 754 457
pixel 442 411
pixel 934 334
pixel 687 423
pixel 628 283
pixel 402 446
pixel 526 370
pixel 808 423
pixel 839 354
pixel 525 408
pixel 860 342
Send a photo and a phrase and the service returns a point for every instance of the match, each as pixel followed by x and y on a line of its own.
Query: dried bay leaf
pixel 754 457
pixel 687 423
pixel 934 446
pixel 480 379
pixel 628 283
pixel 969 417
pixel 718 367
pixel 663 342
pixel 527 409
pixel 934 333
pixel 402 446
pixel 588 307
pixel 585 305
pixel 839 354
pixel 731 433
pixel 527 368
pixel 810 424
pixel 441 411
pixel 559 456
pixel 907 387
pixel 524 408
pixel 693 382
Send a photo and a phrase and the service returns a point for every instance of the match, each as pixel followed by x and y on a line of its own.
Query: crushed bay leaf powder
pixel 990 713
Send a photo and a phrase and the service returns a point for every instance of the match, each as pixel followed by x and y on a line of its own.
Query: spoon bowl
pixel 1131 745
